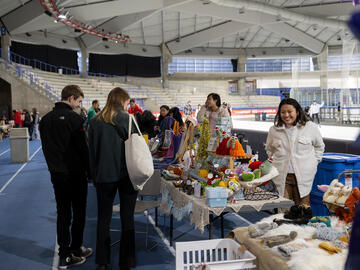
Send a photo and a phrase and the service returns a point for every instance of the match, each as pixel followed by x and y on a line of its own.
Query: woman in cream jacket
pixel 296 146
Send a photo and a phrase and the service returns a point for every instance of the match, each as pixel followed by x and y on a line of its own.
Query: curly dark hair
pixel 300 118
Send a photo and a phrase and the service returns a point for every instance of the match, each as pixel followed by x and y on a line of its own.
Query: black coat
pixel 64 140
pixel 107 149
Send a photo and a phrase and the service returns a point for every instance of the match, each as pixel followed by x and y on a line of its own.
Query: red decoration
pixel 255 165
pixel 222 148
pixel 348 214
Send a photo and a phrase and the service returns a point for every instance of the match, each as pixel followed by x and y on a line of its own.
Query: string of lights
pixel 63 16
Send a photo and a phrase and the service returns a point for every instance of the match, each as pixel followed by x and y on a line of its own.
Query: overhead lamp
pixel 64 41
pixel 221 52
pixel 241 10
pixel 144 49
pixel 106 46
pixel 28 34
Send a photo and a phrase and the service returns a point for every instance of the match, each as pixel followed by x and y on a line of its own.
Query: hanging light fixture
pixel 51 9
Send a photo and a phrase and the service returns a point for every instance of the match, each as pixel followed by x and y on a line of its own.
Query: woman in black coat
pixel 107 133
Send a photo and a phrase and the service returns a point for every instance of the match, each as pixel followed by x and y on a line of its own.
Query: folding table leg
pixel 210 226
pixel 222 225
pixel 171 229
pixel 156 216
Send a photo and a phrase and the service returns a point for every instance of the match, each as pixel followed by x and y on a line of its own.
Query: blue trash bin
pixel 332 164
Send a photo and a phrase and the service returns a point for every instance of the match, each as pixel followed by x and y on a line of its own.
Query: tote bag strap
pixel 131 118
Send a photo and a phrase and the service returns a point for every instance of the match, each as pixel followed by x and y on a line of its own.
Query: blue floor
pixel 28 221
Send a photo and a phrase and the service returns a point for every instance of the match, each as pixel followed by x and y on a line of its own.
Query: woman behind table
pixel 175 113
pixel 296 146
pixel 107 133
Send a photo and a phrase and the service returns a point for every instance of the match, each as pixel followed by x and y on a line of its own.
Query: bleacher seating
pixel 150 97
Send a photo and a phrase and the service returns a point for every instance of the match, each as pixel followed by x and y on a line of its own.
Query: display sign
pixel 3 30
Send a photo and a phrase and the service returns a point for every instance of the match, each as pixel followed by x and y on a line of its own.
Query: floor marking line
pixel 56 256
pixel 4 152
pixel 18 171
pixel 162 236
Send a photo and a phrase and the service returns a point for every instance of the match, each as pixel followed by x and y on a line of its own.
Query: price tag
pixel 348 179
pixel 188 182
pixel 197 190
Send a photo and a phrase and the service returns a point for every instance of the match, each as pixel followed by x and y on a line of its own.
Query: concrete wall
pixel 23 96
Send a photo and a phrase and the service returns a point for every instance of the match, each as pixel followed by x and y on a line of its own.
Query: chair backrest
pixel 152 186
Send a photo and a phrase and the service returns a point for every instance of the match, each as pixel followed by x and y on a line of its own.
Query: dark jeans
pixel 316 115
pixel 70 194
pixel 105 195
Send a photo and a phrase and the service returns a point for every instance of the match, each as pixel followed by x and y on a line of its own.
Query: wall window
pixel 343 62
pixel 278 65
pixel 181 64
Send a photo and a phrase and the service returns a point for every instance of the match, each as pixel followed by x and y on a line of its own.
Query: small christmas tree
pixel 204 139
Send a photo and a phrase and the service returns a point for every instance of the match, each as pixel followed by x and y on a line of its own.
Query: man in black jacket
pixel 66 152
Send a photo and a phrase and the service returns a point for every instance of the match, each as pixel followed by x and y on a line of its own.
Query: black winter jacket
pixel 107 149
pixel 64 141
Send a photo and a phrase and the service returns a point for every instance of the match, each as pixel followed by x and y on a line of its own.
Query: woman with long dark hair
pixel 107 133
pixel 175 113
pixel 296 146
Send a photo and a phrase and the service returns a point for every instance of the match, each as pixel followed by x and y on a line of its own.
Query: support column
pixel 5 46
pixel 323 61
pixel 241 67
pixel 166 57
pixel 84 57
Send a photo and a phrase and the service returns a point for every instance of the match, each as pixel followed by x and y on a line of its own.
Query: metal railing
pixel 35 63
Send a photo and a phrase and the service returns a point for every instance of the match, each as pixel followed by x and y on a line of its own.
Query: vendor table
pixel 178 204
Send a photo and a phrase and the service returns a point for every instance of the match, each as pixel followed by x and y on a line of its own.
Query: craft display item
pixel 328 234
pixel 347 215
pixel 257 173
pixel 203 173
pixel 202 154
pixel 298 212
pixel 216 196
pixel 259 229
pixel 276 240
pixel 329 248
pixel 333 191
pixel 248 177
pixel 321 219
pixel 343 195
pixel 288 249
pixel 223 149
pixel 266 167
pixel 236 149
pixel 255 165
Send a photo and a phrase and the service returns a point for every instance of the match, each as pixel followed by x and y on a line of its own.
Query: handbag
pixel 138 158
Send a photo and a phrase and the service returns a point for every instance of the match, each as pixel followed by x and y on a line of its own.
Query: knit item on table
pixel 259 229
pixel 287 249
pixel 321 219
pixel 276 240
pixel 327 234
